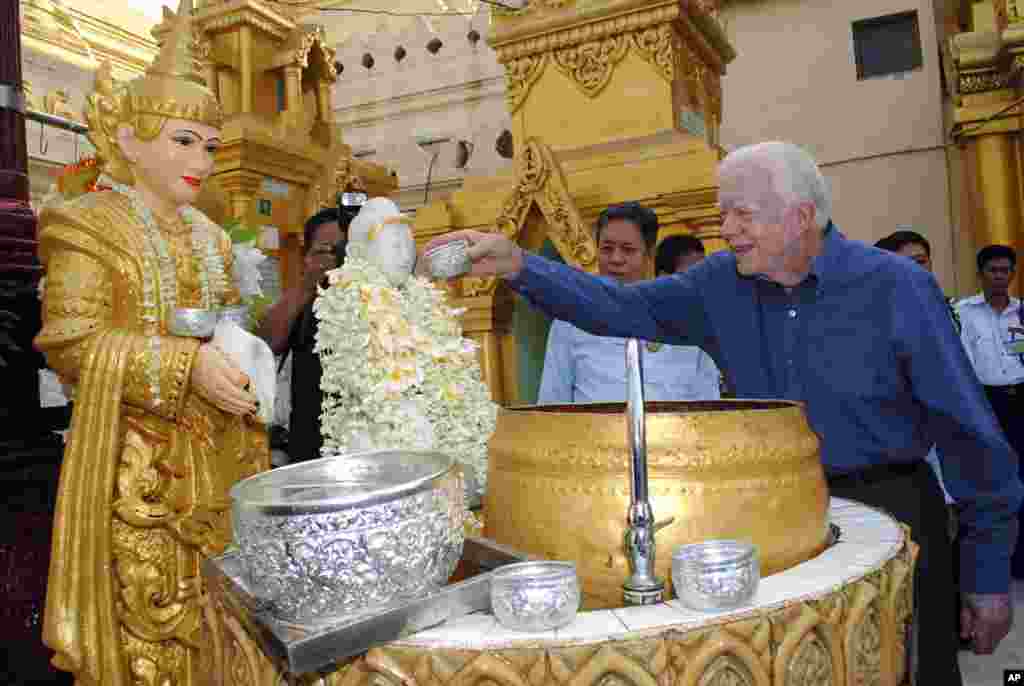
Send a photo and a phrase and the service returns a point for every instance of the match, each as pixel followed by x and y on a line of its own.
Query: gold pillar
pixel 293 88
pixel 245 66
pixel 997 164
pixel 986 64
pixel 323 100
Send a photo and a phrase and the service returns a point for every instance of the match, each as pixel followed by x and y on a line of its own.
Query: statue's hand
pixel 493 254
pixel 220 382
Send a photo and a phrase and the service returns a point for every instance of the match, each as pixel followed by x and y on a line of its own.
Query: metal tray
pixel 302 649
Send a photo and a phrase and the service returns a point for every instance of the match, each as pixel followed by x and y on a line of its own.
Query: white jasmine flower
pixel 397 372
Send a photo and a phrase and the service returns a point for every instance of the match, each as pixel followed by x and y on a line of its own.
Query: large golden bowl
pixel 559 484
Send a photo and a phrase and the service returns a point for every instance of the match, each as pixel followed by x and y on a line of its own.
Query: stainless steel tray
pixel 302 649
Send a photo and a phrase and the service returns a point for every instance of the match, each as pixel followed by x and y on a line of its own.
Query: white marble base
pixel 869 539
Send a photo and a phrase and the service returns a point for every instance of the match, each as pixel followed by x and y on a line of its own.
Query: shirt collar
pixel 826 263
pixel 979 299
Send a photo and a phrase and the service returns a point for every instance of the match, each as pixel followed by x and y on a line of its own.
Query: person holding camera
pixel 289 327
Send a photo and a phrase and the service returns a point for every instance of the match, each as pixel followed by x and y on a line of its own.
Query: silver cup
pixel 239 314
pixel 535 596
pixel 449 261
pixel 716 575
pixel 192 322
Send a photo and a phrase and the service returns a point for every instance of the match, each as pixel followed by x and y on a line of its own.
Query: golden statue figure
pixel 163 424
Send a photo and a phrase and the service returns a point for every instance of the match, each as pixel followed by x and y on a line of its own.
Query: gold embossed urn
pixel 559 484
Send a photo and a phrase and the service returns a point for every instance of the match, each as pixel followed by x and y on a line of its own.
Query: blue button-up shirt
pixel 580 367
pixel 864 341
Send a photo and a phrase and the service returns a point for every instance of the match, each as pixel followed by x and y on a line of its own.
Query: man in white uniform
pixel 993 335
pixel 580 367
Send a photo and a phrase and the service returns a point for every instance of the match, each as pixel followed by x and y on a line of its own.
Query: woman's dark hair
pixel 994 252
pixel 671 249
pixel 641 217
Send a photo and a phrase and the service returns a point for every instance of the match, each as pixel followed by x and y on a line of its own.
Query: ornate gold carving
pixel 508 50
pixel 659 45
pixel 590 65
pixel 225 22
pixel 520 75
pixel 811 664
pixel 296 49
pixel 540 182
pixel 863 637
pixel 980 82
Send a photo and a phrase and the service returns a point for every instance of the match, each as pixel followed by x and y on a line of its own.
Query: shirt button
pixel 792 314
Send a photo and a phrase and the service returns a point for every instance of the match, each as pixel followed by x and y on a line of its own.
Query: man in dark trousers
pixel 289 327
pixel 797 311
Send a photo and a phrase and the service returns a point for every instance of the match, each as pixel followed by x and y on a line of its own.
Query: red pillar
pixel 29 452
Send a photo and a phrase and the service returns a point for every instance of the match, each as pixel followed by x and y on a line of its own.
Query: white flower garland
pixel 160 275
pixel 397 371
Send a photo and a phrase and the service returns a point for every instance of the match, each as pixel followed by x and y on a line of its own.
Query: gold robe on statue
pixel 143 494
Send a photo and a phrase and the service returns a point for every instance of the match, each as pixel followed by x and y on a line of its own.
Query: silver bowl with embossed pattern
pixel 351 534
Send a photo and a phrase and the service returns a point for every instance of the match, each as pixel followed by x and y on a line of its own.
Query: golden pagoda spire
pixel 176 58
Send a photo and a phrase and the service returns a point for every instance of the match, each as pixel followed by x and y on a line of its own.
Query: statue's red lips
pixel 192 181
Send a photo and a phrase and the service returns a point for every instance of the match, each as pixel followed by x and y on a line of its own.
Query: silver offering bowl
pixel 350 534
pixel 449 261
pixel 239 314
pixel 716 575
pixel 535 596
pixel 192 322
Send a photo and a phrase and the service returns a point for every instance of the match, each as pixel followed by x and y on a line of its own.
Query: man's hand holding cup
pixel 490 254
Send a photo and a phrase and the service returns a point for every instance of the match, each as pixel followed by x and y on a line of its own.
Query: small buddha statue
pixel 164 422
pixel 397 372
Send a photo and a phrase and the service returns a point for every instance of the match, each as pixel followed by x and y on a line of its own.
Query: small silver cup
pixel 535 596
pixel 716 575
pixel 449 261
pixel 239 314
pixel 192 322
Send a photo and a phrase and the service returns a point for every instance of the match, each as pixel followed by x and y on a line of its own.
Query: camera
pixel 349 204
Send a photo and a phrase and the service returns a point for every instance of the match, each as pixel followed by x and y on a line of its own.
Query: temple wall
pixel 880 141
pixel 458 93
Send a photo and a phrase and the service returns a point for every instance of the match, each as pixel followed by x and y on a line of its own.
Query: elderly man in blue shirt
pixel 580 367
pixel 795 310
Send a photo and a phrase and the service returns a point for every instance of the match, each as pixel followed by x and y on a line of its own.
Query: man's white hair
pixel 794 172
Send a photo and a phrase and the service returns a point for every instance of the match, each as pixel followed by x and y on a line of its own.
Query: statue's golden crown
pixel 172 86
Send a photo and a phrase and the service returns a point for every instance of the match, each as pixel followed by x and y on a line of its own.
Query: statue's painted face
pixel 173 165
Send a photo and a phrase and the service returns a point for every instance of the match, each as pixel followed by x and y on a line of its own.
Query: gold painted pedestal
pixel 840 619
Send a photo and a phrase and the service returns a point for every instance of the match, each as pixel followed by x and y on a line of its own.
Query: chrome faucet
pixel 642 587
